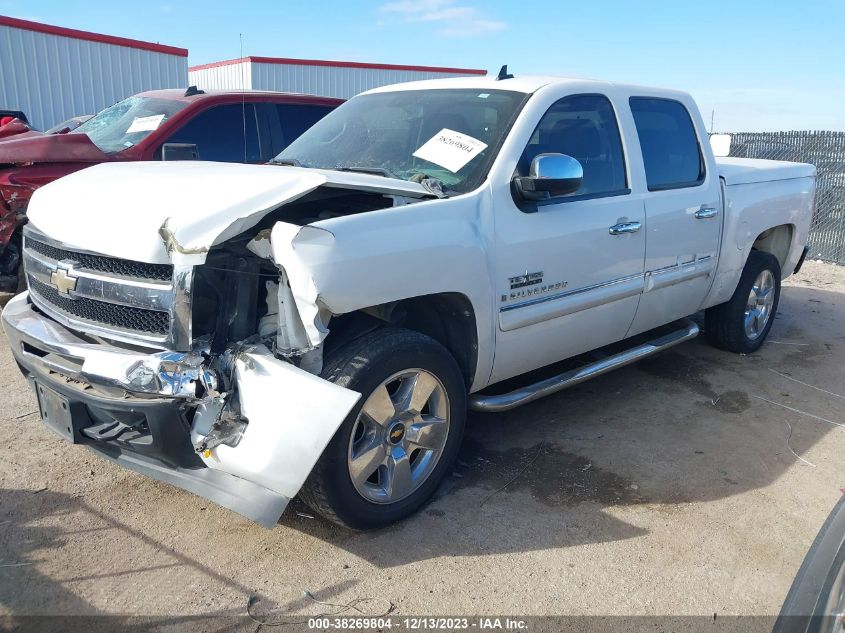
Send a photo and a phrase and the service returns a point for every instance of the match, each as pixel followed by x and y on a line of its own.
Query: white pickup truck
pixel 319 326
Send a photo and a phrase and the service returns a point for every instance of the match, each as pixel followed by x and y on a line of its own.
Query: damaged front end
pixel 240 417
pixel 241 428
pixel 194 358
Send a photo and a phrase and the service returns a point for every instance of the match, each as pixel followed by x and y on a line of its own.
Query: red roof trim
pixel 91 37
pixel 336 64
pixel 227 62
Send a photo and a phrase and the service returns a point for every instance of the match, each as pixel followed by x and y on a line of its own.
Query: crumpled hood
pixel 50 148
pixel 160 212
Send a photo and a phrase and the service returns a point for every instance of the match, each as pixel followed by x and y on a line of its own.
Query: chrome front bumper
pixel 41 341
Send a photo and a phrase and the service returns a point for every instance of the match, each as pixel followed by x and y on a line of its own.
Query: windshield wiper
pixel 376 171
pixel 289 162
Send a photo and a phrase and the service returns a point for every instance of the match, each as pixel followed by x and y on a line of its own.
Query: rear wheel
pixel 402 437
pixel 743 323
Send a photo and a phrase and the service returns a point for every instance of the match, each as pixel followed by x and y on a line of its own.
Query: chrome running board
pixel 530 393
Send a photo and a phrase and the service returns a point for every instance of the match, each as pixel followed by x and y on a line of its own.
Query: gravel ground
pixel 680 485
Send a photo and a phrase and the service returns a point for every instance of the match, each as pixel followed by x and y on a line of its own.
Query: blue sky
pixel 760 65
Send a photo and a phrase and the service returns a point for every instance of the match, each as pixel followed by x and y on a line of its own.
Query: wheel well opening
pixel 447 317
pixel 777 241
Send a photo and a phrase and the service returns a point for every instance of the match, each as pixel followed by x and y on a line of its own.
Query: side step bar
pixel 530 393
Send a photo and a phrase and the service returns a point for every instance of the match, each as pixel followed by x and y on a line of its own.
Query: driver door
pixel 569 271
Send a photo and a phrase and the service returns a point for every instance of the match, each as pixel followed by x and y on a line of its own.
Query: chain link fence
pixel 825 150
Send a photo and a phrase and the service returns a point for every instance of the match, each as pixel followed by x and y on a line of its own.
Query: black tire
pixel 724 324
pixel 362 365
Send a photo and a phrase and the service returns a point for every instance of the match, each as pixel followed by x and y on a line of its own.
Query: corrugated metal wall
pixel 331 81
pixel 324 80
pixel 52 78
pixel 226 77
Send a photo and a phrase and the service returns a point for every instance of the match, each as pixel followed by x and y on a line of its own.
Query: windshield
pixel 449 135
pixel 128 122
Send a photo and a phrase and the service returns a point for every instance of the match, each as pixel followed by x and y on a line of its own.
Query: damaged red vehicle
pixel 228 126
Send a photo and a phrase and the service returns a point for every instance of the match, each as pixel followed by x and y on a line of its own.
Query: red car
pixel 224 126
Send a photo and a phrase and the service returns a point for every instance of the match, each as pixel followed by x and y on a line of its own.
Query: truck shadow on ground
pixel 35 595
pixel 694 424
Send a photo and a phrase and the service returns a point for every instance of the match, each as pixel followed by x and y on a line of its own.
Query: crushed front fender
pixel 291 415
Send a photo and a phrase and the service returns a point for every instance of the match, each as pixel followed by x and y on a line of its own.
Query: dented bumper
pixel 142 412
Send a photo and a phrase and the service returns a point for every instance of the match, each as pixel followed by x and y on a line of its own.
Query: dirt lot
pixel 690 483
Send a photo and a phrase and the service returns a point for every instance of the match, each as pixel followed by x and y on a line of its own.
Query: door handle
pixel 703 214
pixel 625 227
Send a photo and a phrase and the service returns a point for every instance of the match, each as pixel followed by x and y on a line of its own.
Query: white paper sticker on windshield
pixel 450 149
pixel 145 123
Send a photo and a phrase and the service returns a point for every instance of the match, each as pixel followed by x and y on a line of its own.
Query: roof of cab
pixel 520 83
pixel 178 94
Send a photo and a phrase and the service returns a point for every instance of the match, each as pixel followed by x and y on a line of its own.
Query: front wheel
pixel 743 323
pixel 402 437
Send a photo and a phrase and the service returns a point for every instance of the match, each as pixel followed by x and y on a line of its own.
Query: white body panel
pixel 53 78
pixel 751 209
pixel 746 171
pixel 200 203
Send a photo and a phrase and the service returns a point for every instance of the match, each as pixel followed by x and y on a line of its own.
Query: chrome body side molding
pixel 533 311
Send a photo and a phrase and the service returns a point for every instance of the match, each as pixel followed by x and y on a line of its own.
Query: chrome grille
pixel 115 298
pixel 93 311
pixel 122 267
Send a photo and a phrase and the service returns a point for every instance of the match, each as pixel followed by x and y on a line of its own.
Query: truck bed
pixel 743 171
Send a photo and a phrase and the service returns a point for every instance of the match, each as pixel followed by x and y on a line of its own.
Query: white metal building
pixel 53 73
pixel 312 76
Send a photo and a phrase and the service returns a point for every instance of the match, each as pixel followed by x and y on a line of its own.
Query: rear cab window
pixel 670 148
pixel 280 124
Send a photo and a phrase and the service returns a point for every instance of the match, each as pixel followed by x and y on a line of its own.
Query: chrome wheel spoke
pixel 363 465
pixel 429 433
pixel 752 301
pixel 414 393
pixel 379 407
pixel 397 480
pixel 752 319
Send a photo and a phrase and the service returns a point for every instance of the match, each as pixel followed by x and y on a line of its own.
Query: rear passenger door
pixel 226 133
pixel 683 212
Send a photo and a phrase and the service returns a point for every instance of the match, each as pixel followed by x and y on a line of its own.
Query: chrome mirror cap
pixel 550 176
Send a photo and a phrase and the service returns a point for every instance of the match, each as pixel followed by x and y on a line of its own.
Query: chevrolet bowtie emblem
pixel 63 280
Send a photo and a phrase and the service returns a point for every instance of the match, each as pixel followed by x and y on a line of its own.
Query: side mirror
pixel 179 151
pixel 550 176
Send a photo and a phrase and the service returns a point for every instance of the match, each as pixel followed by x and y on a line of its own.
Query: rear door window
pixel 670 148
pixel 224 133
